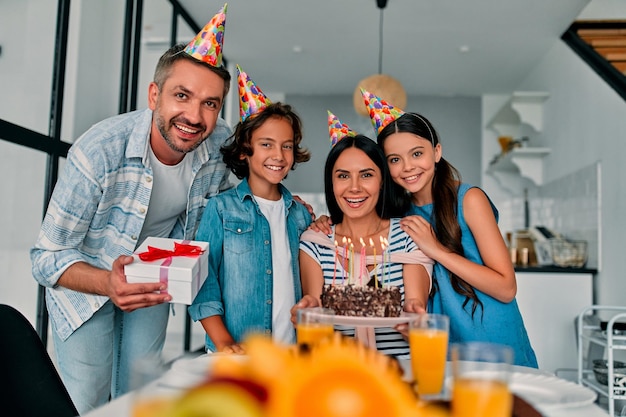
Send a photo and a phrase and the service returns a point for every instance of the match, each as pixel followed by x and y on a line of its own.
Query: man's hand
pixel 130 297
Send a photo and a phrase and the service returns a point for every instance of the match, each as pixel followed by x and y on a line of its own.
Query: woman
pixel 359 200
pixel 456 225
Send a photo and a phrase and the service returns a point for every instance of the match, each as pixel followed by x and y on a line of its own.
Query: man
pixel 144 173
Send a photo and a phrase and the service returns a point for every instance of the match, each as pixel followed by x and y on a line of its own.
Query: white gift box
pixel 184 274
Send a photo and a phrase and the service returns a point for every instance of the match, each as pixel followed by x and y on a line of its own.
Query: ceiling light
pixel 382 85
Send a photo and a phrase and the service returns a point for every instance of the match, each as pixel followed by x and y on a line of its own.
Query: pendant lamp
pixel 382 85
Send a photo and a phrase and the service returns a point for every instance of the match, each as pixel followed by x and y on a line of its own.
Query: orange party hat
pixel 208 43
pixel 251 98
pixel 337 130
pixel 381 113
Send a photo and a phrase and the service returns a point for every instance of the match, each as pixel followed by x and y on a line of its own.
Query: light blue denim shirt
pixel 99 205
pixel 239 285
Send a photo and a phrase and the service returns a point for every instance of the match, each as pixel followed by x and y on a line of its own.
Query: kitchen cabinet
pixel 550 302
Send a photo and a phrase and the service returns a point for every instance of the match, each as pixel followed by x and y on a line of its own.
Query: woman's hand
pixel 322 224
pixel 413 305
pixel 306 302
pixel 422 234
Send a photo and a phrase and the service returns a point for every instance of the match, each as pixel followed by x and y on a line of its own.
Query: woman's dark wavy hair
pixel 445 196
pixel 387 204
pixel 240 142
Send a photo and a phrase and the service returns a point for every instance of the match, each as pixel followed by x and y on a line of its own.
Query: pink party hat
pixel 381 113
pixel 337 130
pixel 251 98
pixel 208 43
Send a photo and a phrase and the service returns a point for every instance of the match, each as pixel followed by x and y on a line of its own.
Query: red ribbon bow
pixel 180 249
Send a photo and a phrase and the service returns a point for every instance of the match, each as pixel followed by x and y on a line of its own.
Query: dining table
pixel 552 396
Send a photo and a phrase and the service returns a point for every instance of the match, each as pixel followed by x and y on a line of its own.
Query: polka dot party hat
pixel 208 43
pixel 251 98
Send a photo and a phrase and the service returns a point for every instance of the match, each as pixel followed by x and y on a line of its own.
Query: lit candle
pixel 375 275
pixel 362 267
pixel 335 263
pixel 388 262
pixel 351 271
pixel 343 263
pixel 382 248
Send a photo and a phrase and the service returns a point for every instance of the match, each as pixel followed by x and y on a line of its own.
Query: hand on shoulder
pixel 322 224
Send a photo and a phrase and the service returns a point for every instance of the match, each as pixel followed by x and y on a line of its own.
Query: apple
pixel 222 397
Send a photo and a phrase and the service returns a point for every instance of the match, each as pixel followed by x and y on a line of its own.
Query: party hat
pixel 381 112
pixel 337 130
pixel 251 98
pixel 208 43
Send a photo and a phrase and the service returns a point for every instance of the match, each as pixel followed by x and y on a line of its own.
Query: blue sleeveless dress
pixel 496 322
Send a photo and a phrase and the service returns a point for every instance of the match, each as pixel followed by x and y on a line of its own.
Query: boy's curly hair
pixel 240 142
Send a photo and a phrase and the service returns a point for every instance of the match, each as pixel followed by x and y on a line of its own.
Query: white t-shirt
pixel 283 297
pixel 168 200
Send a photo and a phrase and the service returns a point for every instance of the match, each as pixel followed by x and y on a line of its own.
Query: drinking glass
pixel 480 386
pixel 428 341
pixel 148 398
pixel 314 324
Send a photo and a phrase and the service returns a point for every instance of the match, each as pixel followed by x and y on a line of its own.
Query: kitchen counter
pixel 556 269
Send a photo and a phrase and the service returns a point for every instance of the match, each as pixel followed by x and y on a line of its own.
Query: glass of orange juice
pixel 314 324
pixel 428 341
pixel 480 384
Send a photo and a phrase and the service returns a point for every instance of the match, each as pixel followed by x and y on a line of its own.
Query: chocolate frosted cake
pixel 362 301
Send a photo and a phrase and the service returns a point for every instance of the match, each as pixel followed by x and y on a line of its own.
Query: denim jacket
pixel 239 284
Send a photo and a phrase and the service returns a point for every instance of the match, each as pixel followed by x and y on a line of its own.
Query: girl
pixel 456 225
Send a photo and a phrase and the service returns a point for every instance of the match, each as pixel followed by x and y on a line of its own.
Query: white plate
pixel 547 392
pixel 550 392
pixel 371 321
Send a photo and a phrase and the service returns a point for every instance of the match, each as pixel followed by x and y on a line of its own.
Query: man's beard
pixel 161 127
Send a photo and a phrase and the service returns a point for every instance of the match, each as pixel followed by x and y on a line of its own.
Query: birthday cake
pixel 362 300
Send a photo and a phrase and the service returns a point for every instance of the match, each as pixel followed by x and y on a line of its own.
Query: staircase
pixel 602 44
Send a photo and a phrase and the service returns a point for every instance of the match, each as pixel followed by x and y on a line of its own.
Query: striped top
pixel 388 341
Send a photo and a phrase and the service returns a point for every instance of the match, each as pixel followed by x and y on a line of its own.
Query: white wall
pixel 584 122
pixel 27 39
